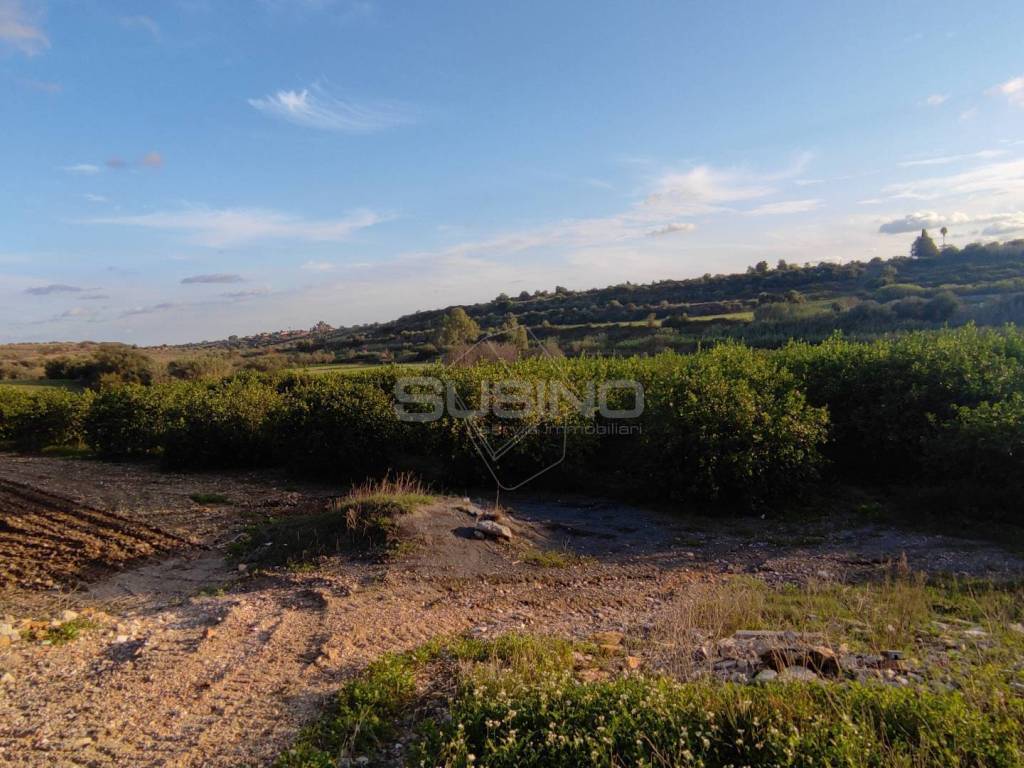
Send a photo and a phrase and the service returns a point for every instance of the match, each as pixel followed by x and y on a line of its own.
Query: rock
pixel 5 641
pixel 765 676
pixel 121 639
pixel 1017 627
pixel 242 567
pixel 801 674
pixel 494 530
pixel 6 679
pixel 210 633
pixel 608 638
pixel 633 662
pixel 479 535
pixel 814 657
pixel 469 508
pixel 7 628
pixel 892 655
pixel 976 632
pixel 68 615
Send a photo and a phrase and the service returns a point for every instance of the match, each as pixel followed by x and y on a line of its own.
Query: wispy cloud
pixel 218 278
pixel 985 154
pixel 232 226
pixel 1003 178
pixel 20 30
pixel 672 229
pixel 314 107
pixel 1012 90
pixel 318 266
pixel 144 23
pixel 707 189
pixel 936 99
pixel 152 160
pixel 785 207
pixel 47 290
pixel 87 169
pixel 244 294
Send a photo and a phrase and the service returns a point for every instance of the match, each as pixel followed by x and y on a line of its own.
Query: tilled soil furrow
pixel 47 539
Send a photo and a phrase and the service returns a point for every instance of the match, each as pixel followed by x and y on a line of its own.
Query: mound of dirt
pixel 47 540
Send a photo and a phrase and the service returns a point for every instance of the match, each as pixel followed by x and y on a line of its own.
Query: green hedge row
pixel 728 424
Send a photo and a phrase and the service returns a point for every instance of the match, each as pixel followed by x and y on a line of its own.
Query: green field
pixel 350 367
pixel 43 384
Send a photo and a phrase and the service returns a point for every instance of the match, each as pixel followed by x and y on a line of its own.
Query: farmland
pixel 253 557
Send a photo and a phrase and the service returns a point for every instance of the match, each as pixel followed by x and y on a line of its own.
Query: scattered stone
pixel 633 662
pixel 242 567
pixel 608 638
pixel 479 535
pixel 469 508
pixel 68 615
pixel 121 639
pixel 6 679
pixel 892 655
pixel 5 641
pixel 976 632
pixel 1017 627
pixel 210 633
pixel 765 676
pixel 801 674
pixel 494 529
pixel 815 657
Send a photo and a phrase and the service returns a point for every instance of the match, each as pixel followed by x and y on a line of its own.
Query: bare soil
pixel 195 663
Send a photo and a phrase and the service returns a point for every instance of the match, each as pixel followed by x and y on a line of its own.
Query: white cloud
pixel 969 114
pixel 999 179
pixel 1004 224
pixel 707 189
pixel 673 228
pixel 19 29
pixel 87 169
pixel 914 222
pixel 985 154
pixel 936 99
pixel 784 207
pixel 1012 90
pixel 993 224
pixel 233 226
pixel 313 107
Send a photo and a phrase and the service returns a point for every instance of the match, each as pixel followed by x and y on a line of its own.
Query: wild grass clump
pixel 365 519
pixel 656 722
pixel 515 701
pixel 551 558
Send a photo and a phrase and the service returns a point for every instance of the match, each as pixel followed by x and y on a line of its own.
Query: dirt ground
pixel 191 662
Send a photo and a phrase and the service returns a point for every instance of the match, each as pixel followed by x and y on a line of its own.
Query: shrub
pixel 228 424
pixel 49 417
pixel 336 426
pixel 127 421
pixel 728 425
pixel 889 399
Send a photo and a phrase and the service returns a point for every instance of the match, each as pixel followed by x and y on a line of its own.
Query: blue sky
pixel 192 169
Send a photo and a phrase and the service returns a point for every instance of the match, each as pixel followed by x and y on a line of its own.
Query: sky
pixel 193 169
